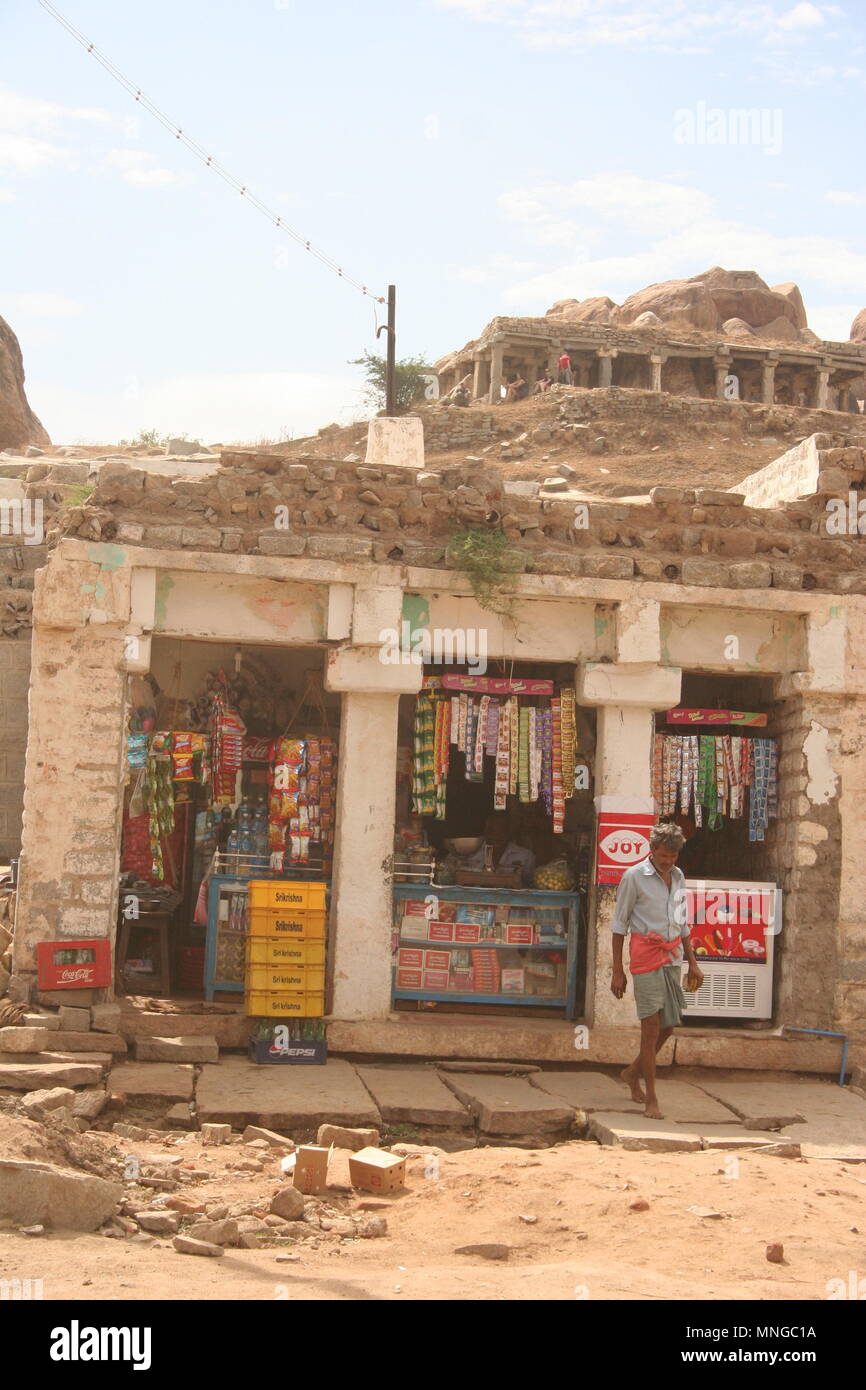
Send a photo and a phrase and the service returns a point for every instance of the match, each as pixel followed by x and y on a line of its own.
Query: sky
pixel 485 156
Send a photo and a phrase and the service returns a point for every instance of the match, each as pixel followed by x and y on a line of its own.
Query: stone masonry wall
pixel 14 681
pixel 806 859
pixel 265 504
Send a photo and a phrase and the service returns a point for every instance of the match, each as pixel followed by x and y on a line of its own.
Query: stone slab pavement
pixel 509 1104
pixel 153 1080
pixel 636 1132
pixel 774 1104
pixel 592 1091
pixel 239 1093
pixel 415 1096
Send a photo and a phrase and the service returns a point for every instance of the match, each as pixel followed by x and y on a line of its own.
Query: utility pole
pixel 391 360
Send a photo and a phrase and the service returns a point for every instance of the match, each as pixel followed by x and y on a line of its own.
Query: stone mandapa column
pixel 657 360
pixel 605 365
pixel 626 697
pixel 496 356
pixel 821 386
pixel 723 367
pixel 362 905
pixel 477 378
pixel 768 380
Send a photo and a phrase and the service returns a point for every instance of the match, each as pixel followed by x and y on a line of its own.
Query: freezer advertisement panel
pixel 730 921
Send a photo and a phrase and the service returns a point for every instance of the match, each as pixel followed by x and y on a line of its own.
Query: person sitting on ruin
pixel 517 388
pixel 543 384
pixel 462 392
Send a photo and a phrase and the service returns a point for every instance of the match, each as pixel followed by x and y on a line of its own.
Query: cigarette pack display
pixel 410 959
pixel 468 912
pixel 519 934
pixel 467 931
pixel 462 981
pixel 441 931
pixel 513 981
pixel 437 960
pixel 409 979
pixel 414 928
pixel 435 979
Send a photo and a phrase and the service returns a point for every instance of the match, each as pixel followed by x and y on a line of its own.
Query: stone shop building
pixel 686 597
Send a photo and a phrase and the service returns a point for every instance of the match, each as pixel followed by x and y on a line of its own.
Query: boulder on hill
pixel 598 310
pixel 791 292
pixel 685 302
pixel 737 328
pixel 858 328
pixel 710 300
pixel 18 425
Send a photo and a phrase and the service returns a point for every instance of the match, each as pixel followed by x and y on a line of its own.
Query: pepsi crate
pixel 295 1053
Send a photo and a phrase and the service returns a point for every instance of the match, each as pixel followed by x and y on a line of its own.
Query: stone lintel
pixel 367 671
pixel 643 684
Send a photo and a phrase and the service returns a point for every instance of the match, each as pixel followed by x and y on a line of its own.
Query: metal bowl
pixel 465 845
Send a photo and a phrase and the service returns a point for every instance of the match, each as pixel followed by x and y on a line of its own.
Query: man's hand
pixel 618 983
pixel 694 979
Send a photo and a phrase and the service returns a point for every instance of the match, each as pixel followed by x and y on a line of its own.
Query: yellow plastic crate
pixel 285 894
pixel 278 978
pixel 304 924
pixel 260 1003
pixel 284 950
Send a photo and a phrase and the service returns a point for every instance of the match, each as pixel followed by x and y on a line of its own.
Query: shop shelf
pixel 302 924
pixel 287 895
pixel 260 1003
pixel 277 978
pixel 425 944
pixel 284 950
pixel 551 1001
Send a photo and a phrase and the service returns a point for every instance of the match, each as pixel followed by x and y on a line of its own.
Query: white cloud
pixel 25 154
pixel 6 195
pixel 23 113
pixel 662 25
pixel 801 17
pixel 847 199
pixel 496 268
pixel 676 232
pixel 221 407
pixel 136 166
pixel 43 306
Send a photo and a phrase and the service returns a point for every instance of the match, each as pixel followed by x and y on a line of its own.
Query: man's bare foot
pixel 652 1112
pixel 630 1077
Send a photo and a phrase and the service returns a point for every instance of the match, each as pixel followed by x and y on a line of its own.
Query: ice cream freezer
pixel 735 925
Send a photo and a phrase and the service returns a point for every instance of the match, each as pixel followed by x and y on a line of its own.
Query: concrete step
pixel 292 1099
pixel 509 1104
pixel 42 1075
pixel 153 1080
pixel 414 1096
pixel 181 1049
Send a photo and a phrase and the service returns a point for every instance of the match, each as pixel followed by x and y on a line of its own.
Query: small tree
pixel 410 384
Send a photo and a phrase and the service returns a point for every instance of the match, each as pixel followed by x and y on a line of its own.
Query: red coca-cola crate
pixel 74 964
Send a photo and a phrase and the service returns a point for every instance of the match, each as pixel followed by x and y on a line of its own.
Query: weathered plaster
pixel 819 749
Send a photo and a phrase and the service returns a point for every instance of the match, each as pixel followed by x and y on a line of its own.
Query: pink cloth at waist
pixel 650 952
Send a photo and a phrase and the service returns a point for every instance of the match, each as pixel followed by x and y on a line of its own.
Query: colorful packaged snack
pixel 291 751
pixel 181 743
pixel 182 767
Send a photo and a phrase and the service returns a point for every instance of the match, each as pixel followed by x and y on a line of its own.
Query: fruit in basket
pixel 555 877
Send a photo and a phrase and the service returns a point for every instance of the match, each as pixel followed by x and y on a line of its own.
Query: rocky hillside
pixel 18 425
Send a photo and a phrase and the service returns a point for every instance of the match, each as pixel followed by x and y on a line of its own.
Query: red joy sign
pixel 623 840
pixel 74 964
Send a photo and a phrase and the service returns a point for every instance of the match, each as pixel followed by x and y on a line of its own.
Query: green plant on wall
pixel 77 494
pixel 485 557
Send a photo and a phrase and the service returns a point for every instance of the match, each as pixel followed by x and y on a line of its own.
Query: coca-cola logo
pixel 625 846
pixel 68 976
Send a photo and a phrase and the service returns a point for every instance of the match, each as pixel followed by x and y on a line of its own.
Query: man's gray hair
pixel 667 835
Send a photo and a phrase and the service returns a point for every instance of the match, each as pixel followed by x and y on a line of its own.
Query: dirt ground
pixel 586 1241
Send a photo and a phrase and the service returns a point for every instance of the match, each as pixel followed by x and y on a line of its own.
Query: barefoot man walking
pixel 651 910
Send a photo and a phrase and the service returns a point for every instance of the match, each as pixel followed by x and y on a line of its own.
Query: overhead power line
pixel 202 154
